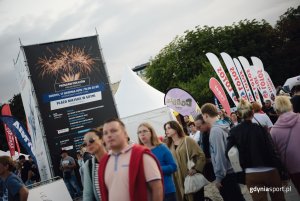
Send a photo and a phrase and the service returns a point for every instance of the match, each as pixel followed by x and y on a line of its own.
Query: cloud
pixel 130 31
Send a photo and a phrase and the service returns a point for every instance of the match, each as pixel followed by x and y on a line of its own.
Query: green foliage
pixel 288 28
pixel 183 62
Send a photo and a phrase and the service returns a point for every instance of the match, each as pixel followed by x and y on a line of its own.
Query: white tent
pixel 291 82
pixel 138 102
pixel 15 157
pixel 135 96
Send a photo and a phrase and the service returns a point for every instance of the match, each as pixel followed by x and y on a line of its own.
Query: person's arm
pixel 230 143
pixel 197 155
pixel 170 166
pixel 23 193
pixel 269 123
pixel 88 191
pixel 153 177
pixel 218 146
pixel 156 189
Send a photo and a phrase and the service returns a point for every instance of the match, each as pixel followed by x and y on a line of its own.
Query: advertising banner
pixel 270 84
pixel 244 79
pixel 33 125
pixel 214 61
pixel 258 67
pixel 248 71
pixel 217 89
pixel 234 75
pixel 18 129
pixel 181 101
pixel 72 90
pixel 10 138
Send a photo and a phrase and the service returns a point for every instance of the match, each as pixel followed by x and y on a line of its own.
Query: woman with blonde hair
pixel 94 145
pixel 285 134
pixel 147 137
pixel 182 146
pixel 257 155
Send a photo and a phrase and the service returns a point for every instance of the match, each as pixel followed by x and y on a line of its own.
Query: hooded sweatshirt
pixel 218 142
pixel 288 124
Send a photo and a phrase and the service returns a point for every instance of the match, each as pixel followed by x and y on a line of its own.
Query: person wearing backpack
pixel 94 145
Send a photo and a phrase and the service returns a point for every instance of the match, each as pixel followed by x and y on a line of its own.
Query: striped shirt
pixel 96 181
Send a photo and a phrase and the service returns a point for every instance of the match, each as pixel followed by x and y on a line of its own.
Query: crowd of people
pixel 113 168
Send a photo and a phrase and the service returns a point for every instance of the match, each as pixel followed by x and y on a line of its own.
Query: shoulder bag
pixel 193 183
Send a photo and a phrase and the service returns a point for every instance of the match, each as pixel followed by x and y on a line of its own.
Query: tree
pixel 183 62
pixel 288 28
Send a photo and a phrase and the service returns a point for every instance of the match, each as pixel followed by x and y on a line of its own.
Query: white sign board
pixel 54 191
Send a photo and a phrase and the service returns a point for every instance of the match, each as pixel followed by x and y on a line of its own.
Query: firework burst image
pixel 67 64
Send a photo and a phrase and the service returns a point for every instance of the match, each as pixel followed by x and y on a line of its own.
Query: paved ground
pixel 212 192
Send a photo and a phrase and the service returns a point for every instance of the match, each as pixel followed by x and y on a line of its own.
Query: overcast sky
pixel 131 31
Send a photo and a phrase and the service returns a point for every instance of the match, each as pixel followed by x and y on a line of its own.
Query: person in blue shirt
pixel 13 188
pixel 147 137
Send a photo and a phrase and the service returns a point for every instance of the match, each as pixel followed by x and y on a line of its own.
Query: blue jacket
pixel 168 166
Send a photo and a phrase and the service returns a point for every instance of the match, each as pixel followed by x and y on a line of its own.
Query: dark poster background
pixel 72 90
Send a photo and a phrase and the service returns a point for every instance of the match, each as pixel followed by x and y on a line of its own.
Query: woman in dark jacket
pixel 257 156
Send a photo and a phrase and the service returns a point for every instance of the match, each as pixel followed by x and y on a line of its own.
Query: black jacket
pixel 255 147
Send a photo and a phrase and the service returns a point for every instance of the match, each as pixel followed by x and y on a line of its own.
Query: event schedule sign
pixel 72 91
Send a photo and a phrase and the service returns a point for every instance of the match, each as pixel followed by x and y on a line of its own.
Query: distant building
pixel 114 87
pixel 140 70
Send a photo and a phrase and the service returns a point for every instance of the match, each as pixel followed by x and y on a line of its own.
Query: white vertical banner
pixel 249 73
pixel 254 73
pixel 244 79
pixel 234 75
pixel 32 117
pixel 216 64
pixel 259 69
pixel 270 83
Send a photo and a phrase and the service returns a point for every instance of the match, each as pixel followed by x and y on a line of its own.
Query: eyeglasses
pixel 142 132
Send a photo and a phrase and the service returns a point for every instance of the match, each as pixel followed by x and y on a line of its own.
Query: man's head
pixel 268 103
pixel 115 135
pixel 64 153
pixel 22 158
pixel 201 125
pixel 233 117
pixel 192 126
pixel 209 113
pixel 6 164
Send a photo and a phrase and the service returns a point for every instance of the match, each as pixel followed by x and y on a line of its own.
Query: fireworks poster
pixel 72 90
